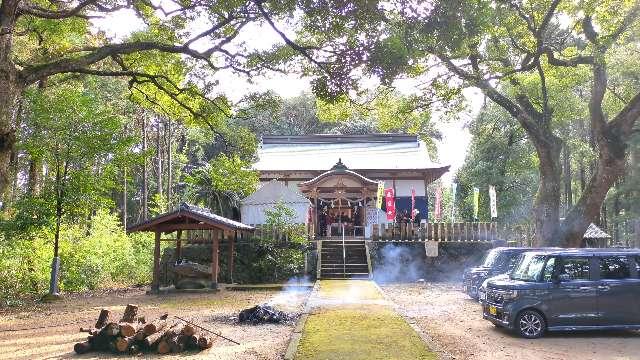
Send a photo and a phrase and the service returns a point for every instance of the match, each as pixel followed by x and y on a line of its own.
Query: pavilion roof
pixel 594 232
pixel 187 217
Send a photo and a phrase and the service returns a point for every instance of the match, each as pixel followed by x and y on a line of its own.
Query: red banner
pixel 390 202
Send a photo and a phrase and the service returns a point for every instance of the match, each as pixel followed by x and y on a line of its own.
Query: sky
pixel 451 149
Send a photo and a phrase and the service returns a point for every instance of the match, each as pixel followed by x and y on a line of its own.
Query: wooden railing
pixel 443 232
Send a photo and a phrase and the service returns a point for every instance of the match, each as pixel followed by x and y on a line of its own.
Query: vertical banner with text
pixel 454 187
pixel 390 203
pixel 380 194
pixel 476 202
pixel 437 205
pixel 493 202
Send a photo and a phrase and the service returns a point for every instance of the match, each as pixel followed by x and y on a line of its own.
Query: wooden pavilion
pixel 189 218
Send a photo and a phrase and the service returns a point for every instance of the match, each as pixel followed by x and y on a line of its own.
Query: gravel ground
pixel 455 324
pixel 215 311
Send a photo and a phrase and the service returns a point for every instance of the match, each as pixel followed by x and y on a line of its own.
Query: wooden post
pixel 178 253
pixel 214 259
pixel 375 232
pixel 232 249
pixel 424 231
pixel 155 285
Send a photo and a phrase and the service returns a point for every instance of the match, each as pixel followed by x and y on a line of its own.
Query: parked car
pixel 500 260
pixel 576 289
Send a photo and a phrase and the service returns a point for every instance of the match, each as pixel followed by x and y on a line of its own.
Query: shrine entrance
pixel 340 199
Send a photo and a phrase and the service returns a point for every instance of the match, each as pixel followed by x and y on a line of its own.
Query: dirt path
pixel 455 323
pixel 350 319
pixel 216 311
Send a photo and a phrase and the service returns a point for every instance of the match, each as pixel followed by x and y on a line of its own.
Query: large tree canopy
pixel 531 58
pixel 169 62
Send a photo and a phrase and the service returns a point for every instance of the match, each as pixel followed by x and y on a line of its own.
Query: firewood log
pixel 153 339
pixel 111 329
pixel 177 343
pixel 204 342
pixel 130 313
pixel 140 335
pixel 188 330
pixel 91 331
pixel 163 347
pixel 123 343
pixel 82 347
pixel 103 318
pixel 134 349
pixel 156 325
pixel 191 342
pixel 128 329
pixel 99 342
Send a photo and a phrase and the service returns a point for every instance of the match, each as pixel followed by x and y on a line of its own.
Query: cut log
pixel 178 343
pixel 163 347
pixel 111 329
pixel 134 349
pixel 91 331
pixel 140 335
pixel 128 329
pixel 82 347
pixel 151 340
pixel 188 330
pixel 130 313
pixel 204 342
pixel 123 344
pixel 99 342
pixel 156 325
pixel 103 318
pixel 191 342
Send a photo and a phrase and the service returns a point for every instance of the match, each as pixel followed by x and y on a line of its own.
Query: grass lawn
pixel 358 331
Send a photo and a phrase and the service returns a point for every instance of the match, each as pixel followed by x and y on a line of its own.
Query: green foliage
pixel 499 155
pixel 221 184
pixel 95 255
pixel 269 259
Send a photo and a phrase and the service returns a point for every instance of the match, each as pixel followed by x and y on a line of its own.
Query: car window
pixel 577 268
pixel 529 268
pixel 548 270
pixel 513 261
pixel 615 267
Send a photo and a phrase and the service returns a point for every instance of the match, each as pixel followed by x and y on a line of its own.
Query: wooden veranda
pixel 188 217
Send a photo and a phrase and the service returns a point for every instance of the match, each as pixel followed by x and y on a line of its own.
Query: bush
pixel 96 255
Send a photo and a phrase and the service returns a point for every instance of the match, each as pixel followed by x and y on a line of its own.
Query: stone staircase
pixel 346 259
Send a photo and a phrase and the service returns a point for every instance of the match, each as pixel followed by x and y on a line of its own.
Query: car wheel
pixel 530 324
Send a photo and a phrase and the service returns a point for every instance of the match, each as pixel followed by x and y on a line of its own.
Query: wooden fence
pixel 443 232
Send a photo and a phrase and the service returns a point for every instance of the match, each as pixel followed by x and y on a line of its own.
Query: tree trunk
pixel 10 93
pixel 568 192
pixel 608 169
pixel 145 189
pixel 159 159
pixel 169 172
pixel 547 203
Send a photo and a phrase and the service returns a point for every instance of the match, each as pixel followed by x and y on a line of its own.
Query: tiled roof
pixel 358 152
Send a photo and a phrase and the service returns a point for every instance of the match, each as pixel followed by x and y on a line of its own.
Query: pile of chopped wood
pixel 132 335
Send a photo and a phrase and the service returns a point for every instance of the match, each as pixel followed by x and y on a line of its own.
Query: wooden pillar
pixel 178 253
pixel 155 284
pixel 232 249
pixel 215 243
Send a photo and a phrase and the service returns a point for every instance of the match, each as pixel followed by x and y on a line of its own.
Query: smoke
pixel 397 263
pixel 292 291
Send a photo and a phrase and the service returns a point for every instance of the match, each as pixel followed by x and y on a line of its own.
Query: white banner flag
pixel 493 202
